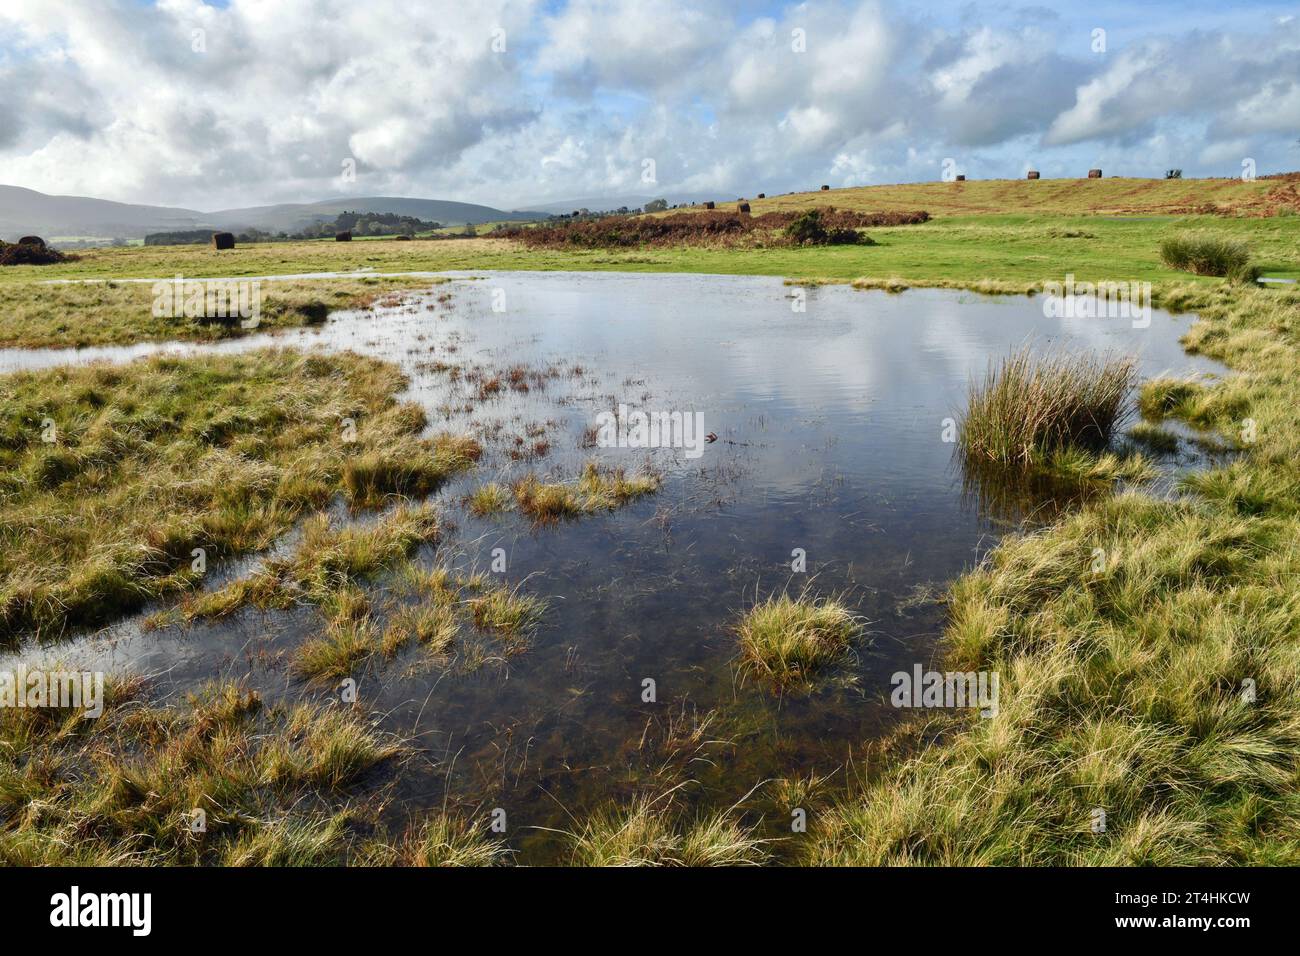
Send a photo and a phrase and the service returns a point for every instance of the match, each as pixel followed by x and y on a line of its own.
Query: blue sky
pixel 517 102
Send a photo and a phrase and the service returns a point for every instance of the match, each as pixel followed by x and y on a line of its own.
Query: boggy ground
pixel 1159 688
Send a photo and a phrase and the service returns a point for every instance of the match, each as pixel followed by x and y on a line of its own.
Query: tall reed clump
pixel 1209 255
pixel 1030 409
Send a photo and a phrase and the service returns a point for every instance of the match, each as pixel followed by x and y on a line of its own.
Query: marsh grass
pixel 1030 408
pixel 413 469
pixel 506 612
pixel 489 499
pixel 1205 254
pixel 433 626
pixel 598 489
pixel 1160 688
pixel 327 562
pixel 451 841
pixel 651 832
pixel 112 477
pixel 274 783
pixel 786 640
pixel 76 315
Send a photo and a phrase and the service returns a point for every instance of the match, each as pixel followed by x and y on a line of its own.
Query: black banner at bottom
pixel 139 905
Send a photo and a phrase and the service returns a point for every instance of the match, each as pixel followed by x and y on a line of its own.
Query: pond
pixel 829 407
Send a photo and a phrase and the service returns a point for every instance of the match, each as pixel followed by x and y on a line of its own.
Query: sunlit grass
pixel 1029 408
pixel 598 489
pixel 786 640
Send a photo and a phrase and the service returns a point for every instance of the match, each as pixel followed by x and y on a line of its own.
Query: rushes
pixel 1209 255
pixel 785 640
pixel 1028 409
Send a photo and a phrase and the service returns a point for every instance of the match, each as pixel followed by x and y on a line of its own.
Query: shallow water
pixel 830 425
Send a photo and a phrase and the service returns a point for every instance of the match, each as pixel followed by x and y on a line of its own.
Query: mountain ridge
pixel 26 211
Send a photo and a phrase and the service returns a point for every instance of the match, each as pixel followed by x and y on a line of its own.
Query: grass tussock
pixel 649 832
pixel 412 469
pixel 786 640
pixel 274 785
pixel 1030 408
pixel 598 489
pixel 119 485
pixel 489 499
pixel 506 612
pixel 326 565
pixel 1205 254
pixel 451 841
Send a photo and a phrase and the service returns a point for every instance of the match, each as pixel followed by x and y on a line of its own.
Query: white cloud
pixel 115 102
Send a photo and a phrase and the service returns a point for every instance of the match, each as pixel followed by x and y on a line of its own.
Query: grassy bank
pixel 121 484
pixel 74 315
pixel 1158 686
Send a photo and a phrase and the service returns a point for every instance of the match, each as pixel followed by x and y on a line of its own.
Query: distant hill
pixel 290 217
pixel 26 211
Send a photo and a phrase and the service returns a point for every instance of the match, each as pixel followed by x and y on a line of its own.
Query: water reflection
pixel 829 425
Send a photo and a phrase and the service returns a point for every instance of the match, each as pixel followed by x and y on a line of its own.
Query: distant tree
pixel 656 205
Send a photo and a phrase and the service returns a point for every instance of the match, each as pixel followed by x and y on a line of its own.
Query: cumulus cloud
pixel 511 101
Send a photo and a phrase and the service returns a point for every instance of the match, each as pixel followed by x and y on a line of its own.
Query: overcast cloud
pixel 509 102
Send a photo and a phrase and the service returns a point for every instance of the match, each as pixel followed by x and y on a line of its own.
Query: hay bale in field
pixel 223 240
pixel 32 241
pixel 762 195
pixel 961 178
pixel 709 205
pixel 343 236
pixel 1033 174
pixel 825 187
pixel 742 207
pixel 1094 174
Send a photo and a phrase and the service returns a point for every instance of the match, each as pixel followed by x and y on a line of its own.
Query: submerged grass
pixel 649 832
pixel 122 484
pixel 597 490
pixel 223 780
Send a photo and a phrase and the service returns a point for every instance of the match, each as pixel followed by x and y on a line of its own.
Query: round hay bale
pixel 343 237
pixel 825 187
pixel 1032 174
pixel 762 195
pixel 223 240
pixel 32 241
pixel 743 208
pixel 1094 174
pixel 710 204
